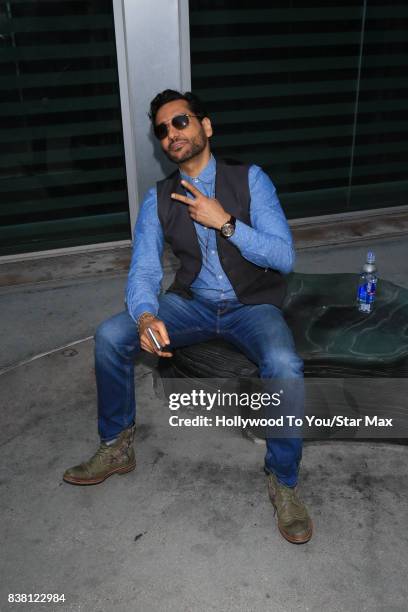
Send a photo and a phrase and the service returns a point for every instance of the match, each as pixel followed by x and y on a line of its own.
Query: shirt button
pixel 196 180
pixel 212 252
pixel 220 276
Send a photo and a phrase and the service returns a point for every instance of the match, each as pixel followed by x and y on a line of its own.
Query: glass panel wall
pixel 380 161
pixel 62 171
pixel 314 92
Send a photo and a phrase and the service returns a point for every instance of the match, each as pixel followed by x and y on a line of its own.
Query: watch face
pixel 227 230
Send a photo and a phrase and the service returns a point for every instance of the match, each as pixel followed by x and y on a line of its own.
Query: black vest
pixel 252 284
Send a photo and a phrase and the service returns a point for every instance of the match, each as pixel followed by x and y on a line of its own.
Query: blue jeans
pixel 259 331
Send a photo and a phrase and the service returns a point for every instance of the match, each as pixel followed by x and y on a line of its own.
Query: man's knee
pixel 115 333
pixel 105 333
pixel 281 364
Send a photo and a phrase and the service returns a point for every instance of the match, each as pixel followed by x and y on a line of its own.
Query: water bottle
pixel 367 285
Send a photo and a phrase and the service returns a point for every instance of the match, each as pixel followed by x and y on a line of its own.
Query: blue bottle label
pixel 366 292
pixel 362 293
pixel 371 288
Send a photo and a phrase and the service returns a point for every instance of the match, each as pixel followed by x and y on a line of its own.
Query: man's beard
pixel 197 146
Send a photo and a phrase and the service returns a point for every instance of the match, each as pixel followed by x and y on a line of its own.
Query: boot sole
pixel 297 539
pixel 93 481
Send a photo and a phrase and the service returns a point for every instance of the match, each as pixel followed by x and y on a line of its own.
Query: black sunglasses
pixel 180 122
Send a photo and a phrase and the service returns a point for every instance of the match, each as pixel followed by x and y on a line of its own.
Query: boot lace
pixel 102 451
pixel 289 505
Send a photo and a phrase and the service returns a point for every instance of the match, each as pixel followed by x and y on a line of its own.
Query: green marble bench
pixel 333 338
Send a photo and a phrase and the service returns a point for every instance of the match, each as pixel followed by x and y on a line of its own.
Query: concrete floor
pixel 192 528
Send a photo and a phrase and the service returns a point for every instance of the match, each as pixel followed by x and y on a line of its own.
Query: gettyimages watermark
pixel 316 408
pixel 207 400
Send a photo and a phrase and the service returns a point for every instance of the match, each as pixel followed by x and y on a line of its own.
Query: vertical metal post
pixel 157 43
pixel 185 59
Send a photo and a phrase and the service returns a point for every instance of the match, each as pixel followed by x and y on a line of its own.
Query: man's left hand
pixel 207 211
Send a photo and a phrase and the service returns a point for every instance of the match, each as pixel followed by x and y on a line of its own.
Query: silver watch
pixel 228 228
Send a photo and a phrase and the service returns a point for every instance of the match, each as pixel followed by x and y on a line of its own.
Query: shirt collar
pixel 207 174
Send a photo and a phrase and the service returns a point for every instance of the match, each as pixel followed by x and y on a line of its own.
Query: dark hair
pixel 169 95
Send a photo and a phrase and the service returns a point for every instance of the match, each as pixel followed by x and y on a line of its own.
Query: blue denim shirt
pixel 268 243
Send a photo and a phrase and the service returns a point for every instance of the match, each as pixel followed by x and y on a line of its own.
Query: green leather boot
pixel 294 522
pixel 116 458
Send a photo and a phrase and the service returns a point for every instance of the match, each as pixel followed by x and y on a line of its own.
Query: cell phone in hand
pixel 154 339
pixel 159 347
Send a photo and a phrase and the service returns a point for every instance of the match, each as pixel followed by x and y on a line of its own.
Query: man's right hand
pixel 160 331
